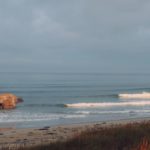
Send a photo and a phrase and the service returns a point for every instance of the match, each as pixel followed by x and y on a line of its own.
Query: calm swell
pixel 61 98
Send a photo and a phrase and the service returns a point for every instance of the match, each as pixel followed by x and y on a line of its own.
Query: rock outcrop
pixel 9 101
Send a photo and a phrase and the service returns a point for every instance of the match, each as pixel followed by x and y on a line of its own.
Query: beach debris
pixel 9 101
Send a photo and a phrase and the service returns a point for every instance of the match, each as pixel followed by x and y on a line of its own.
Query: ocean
pixel 65 98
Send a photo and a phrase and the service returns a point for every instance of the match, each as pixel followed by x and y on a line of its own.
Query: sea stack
pixel 9 101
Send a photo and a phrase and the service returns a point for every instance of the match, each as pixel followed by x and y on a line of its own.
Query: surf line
pixel 143 95
pixel 84 105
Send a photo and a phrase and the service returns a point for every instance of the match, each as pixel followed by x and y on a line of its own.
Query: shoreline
pixel 16 137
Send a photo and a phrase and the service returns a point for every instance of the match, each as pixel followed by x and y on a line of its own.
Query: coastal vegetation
pixel 135 136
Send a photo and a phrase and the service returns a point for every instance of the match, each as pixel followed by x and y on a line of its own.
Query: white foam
pixel 143 95
pixel 31 117
pixel 131 103
pixel 113 112
pixel 102 112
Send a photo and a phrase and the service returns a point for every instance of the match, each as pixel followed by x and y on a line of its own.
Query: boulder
pixel 9 101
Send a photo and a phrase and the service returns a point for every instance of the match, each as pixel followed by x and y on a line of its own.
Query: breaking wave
pixel 143 95
pixel 108 104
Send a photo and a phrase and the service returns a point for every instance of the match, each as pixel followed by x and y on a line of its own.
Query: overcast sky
pixel 75 35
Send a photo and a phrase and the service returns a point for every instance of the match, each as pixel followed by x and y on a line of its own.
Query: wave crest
pixel 86 105
pixel 143 95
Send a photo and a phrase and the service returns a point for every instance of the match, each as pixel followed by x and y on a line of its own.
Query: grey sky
pixel 75 35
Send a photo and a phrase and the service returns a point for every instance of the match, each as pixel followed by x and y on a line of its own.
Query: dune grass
pixel 124 137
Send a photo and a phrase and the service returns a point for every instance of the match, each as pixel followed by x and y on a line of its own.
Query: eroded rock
pixel 9 101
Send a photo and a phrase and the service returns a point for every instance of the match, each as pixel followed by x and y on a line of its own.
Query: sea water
pixel 66 98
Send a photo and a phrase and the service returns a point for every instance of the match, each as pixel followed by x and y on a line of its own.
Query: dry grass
pixel 128 137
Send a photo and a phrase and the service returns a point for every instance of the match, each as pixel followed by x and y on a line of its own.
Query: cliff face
pixel 9 101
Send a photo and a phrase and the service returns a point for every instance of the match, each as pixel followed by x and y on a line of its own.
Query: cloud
pixel 75 35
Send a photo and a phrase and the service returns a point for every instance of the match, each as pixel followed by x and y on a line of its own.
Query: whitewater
pixel 136 103
pixel 143 95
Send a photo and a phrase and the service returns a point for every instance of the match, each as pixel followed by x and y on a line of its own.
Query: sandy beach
pixel 14 137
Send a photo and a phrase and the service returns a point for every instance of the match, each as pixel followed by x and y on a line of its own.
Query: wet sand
pixel 14 137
